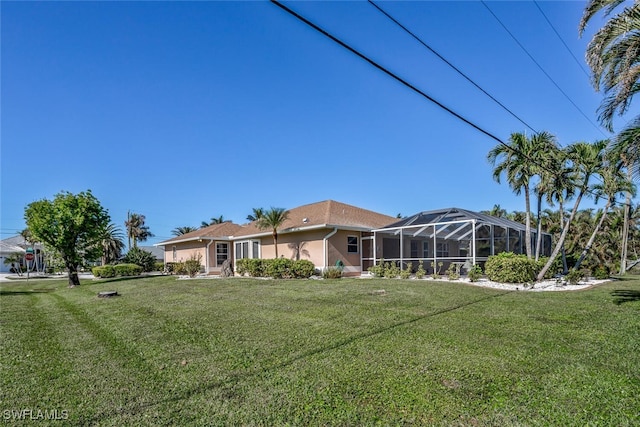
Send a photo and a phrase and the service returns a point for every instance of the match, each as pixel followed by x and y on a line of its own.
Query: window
pixel 222 253
pixel 414 249
pixel 352 244
pixel 425 249
pixel 244 250
pixel 175 253
pixel 442 250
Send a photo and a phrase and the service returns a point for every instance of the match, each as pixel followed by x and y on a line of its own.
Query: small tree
pixel 71 224
pixel 273 219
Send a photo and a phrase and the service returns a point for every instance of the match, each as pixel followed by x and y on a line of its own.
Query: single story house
pixel 325 233
pixel 15 247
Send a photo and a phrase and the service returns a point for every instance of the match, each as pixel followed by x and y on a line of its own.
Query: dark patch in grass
pixel 625 295
pixel 26 292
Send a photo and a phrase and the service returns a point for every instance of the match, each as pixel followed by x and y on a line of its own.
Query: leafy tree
pixel 273 219
pixel 179 231
pixel 112 243
pixel 137 231
pixel 256 214
pixel 71 224
pixel 144 259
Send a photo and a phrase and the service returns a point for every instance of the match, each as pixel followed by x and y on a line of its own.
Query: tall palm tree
pixel 586 159
pixel 273 219
pixel 256 214
pixel 516 161
pixel 551 165
pixel 214 220
pixel 613 55
pixel 137 231
pixel 112 243
pixel 179 231
pixel 614 182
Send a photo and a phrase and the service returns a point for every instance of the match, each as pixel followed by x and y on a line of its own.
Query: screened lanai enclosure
pixel 447 236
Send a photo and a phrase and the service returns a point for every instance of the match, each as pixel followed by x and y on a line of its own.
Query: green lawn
pixel 260 352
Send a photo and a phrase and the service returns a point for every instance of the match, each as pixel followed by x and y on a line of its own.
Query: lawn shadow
pixel 5 292
pixel 625 295
pixel 118 279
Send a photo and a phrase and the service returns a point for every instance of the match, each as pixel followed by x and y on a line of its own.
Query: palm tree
pixel 613 183
pixel 136 229
pixel 179 231
pixel 256 214
pixel 498 212
pixel 613 55
pixel 516 160
pixel 214 220
pixel 546 149
pixel 273 219
pixel 586 159
pixel 112 243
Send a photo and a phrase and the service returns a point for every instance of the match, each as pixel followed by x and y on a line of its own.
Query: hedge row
pixel 278 268
pixel 107 271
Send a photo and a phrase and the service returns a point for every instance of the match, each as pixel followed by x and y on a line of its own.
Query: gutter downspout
pixel 325 246
pixel 206 261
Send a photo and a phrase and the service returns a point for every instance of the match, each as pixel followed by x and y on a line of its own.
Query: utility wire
pixel 412 87
pixel 541 69
pixel 423 43
pixel 586 73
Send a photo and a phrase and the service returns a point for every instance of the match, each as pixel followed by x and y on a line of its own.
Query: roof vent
pixel 305 220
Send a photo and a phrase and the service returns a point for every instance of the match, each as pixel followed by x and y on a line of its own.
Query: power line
pixel 423 43
pixel 586 73
pixel 541 69
pixel 413 88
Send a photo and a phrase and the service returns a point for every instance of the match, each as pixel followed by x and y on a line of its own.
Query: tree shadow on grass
pixel 625 295
pixel 5 292
pixel 118 279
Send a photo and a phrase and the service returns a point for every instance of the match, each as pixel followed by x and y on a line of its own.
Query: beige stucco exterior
pixel 205 249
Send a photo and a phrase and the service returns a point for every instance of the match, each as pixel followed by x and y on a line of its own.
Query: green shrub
pixel 574 276
pixel 453 272
pixel 144 259
pixel 406 273
pixel 474 273
pixel 420 271
pixel 303 269
pixel 377 270
pixel 256 267
pixel 179 268
pixel 158 266
pixel 332 273
pixel 391 270
pixel 104 271
pixel 601 272
pixel 508 267
pixel 555 268
pixel 278 268
pixel 128 269
pixel 193 265
pixel 436 272
pixel 242 266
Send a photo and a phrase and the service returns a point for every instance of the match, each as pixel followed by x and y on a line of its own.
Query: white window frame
pixel 218 253
pixel 252 249
pixel 175 253
pixel 425 249
pixel 442 250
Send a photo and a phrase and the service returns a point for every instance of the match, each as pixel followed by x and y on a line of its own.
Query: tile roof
pixel 220 231
pixel 328 213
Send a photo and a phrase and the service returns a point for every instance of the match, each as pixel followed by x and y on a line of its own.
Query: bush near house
pixel 278 268
pixel 107 271
pixel 508 267
pixel 144 259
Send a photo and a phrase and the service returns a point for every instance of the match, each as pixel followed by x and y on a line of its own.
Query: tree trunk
pixel 625 230
pixel 539 228
pixel 585 251
pixel 73 275
pixel 527 232
pixel 275 241
pixel 565 269
pixel 563 236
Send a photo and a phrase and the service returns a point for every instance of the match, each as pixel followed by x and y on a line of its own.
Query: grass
pixel 335 352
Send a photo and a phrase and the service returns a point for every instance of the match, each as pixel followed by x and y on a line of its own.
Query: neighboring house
pixel 17 244
pixel 156 251
pixel 212 244
pixel 451 235
pixel 326 233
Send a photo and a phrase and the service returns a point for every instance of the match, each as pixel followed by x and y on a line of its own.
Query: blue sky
pixel 187 111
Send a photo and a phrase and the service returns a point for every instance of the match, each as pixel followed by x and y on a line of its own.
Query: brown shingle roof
pixel 327 213
pixel 222 230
